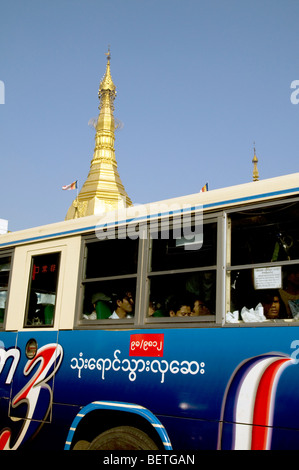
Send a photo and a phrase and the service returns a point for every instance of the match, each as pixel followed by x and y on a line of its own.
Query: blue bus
pixel 167 326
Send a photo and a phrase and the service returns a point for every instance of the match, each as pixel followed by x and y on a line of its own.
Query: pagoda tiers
pixel 103 190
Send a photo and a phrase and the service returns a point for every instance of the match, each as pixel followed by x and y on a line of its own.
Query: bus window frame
pixel 81 323
pixel 32 255
pixel 140 319
pixel 211 320
pixel 66 294
pixel 229 268
pixel 3 254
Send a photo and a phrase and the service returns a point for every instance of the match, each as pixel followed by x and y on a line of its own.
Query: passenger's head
pixel 179 308
pixel 99 296
pixel 151 308
pixel 123 303
pixel 184 311
pixel 199 308
pixel 155 309
pixel 272 305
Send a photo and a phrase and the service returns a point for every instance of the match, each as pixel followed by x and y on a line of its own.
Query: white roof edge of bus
pixel 230 194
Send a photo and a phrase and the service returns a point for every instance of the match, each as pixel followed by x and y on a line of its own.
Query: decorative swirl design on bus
pixel 48 359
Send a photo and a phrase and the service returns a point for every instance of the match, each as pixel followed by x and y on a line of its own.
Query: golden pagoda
pixel 103 190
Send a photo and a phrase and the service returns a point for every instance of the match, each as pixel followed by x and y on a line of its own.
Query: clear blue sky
pixel 198 81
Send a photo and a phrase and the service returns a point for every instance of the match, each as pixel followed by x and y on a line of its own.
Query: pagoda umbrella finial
pixel 255 162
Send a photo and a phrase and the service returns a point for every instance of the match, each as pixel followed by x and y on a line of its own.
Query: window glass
pixel 109 300
pixel 265 235
pixel 5 267
pixel 261 294
pixel 109 281
pixel 175 253
pixel 42 290
pixel 177 288
pixel 182 295
pixel 111 258
pixel 266 241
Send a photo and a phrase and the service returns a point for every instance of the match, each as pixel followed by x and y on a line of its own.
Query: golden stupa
pixel 103 190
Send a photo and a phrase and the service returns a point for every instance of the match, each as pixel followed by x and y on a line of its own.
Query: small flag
pixel 204 188
pixel 70 186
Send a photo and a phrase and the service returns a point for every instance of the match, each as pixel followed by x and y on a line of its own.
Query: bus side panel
pixel 32 387
pixel 217 381
pixel 276 438
pixel 192 434
pixel 200 374
pixel 169 378
pixel 26 385
pixel 9 368
pixel 52 435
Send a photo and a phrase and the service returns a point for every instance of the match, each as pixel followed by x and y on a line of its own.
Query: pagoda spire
pixel 103 190
pixel 255 174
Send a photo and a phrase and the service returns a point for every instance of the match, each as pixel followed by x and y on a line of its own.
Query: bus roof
pixel 222 198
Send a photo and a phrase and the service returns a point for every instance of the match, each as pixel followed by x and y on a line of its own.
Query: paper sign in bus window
pixel 267 278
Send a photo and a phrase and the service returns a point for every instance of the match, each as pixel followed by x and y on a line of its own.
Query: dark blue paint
pixel 188 405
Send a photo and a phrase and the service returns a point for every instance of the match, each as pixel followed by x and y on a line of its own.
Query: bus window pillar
pixel 227 274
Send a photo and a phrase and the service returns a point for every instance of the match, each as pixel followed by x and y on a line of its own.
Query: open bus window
pixel 182 277
pixel 109 300
pixel 42 290
pixel 109 283
pixel 266 242
pixel 183 295
pixel 5 268
pixel 263 294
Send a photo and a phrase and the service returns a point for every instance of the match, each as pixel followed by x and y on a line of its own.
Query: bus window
pixel 183 280
pixel 109 281
pixel 268 293
pixel 42 290
pixel 264 275
pixel 5 268
pixel 264 235
pixel 111 258
pixel 183 294
pixel 172 253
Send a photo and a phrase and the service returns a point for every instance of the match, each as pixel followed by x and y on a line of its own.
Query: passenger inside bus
pixel 273 306
pixel 182 294
pixel 280 303
pixel 122 304
pixel 182 308
pixel 179 308
pixel 290 291
pixel 33 311
pixel 155 309
pixel 199 308
pixel 201 287
pixel 39 313
pixel 101 307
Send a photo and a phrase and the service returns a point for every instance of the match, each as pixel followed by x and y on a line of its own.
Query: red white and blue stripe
pixel 249 401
